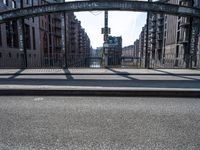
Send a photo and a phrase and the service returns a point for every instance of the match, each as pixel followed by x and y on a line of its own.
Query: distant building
pixel 128 51
pixel 114 50
pixel 79 46
pixel 136 52
pixel 131 50
pixel 142 43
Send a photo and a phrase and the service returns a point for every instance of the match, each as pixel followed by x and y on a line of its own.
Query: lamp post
pixel 105 45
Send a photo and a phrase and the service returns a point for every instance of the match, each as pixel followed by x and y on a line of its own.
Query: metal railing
pixel 86 61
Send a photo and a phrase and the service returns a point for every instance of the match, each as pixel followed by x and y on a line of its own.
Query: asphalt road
pixel 99 123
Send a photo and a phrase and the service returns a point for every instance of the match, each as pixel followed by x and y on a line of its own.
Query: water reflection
pixel 96 63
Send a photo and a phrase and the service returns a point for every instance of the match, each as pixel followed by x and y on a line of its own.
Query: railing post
pixel 147 42
pixel 22 41
pixel 188 54
pixel 64 38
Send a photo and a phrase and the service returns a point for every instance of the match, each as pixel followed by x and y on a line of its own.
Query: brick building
pixel 169 39
pixel 114 50
pixel 44 39
pixel 10 54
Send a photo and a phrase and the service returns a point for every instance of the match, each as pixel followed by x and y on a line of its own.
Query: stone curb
pixel 104 92
pixel 168 74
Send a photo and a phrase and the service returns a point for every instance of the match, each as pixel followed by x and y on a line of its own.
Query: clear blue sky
pixel 125 24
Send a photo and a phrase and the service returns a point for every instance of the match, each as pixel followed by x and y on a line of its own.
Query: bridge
pixel 67 108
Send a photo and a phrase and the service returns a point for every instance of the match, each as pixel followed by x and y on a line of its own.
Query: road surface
pixel 99 123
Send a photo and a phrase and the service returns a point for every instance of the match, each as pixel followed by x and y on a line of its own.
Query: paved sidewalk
pixel 99 82
pixel 100 71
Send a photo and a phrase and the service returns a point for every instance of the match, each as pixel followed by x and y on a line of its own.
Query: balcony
pixel 152 36
pixel 159 38
pixel 185 23
pixel 58 27
pixel 73 22
pixel 159 31
pixel 57 20
pixel 58 48
pixel 72 33
pixel 161 18
pixel 185 1
pixel 183 41
pixel 153 42
pixel 152 30
pixel 160 24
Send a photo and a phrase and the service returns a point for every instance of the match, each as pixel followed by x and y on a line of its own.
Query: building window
pixel 0 54
pixel 9 54
pixel 14 5
pixel 0 37
pixel 8 35
pixel 27 2
pixel 33 36
pixel 5 2
pixel 27 36
pixel 15 34
pixel 12 34
pixel 45 44
pixel 178 36
pixel 177 51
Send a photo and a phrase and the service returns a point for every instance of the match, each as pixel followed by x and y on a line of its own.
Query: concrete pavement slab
pixel 100 71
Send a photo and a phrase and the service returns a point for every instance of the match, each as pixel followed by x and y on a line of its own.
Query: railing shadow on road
pixel 123 74
pixel 68 74
pixel 175 75
pixel 103 83
pixel 16 74
pixel 128 80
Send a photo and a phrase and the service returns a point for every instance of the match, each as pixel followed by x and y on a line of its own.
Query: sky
pixel 122 23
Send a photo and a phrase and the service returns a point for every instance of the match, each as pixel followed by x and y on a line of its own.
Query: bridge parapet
pixel 77 6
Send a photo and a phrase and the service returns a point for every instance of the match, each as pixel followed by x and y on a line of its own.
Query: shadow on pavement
pixel 67 74
pixel 16 74
pixel 175 75
pixel 123 74
pixel 155 81
pixel 104 83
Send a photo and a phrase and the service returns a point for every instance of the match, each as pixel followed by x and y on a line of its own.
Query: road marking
pixel 39 99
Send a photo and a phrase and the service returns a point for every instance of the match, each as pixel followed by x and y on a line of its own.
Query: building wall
pixel 51 38
pixel 10 55
pixel 171 48
pixel 114 50
pixel 45 39
pixel 141 44
pixel 128 51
